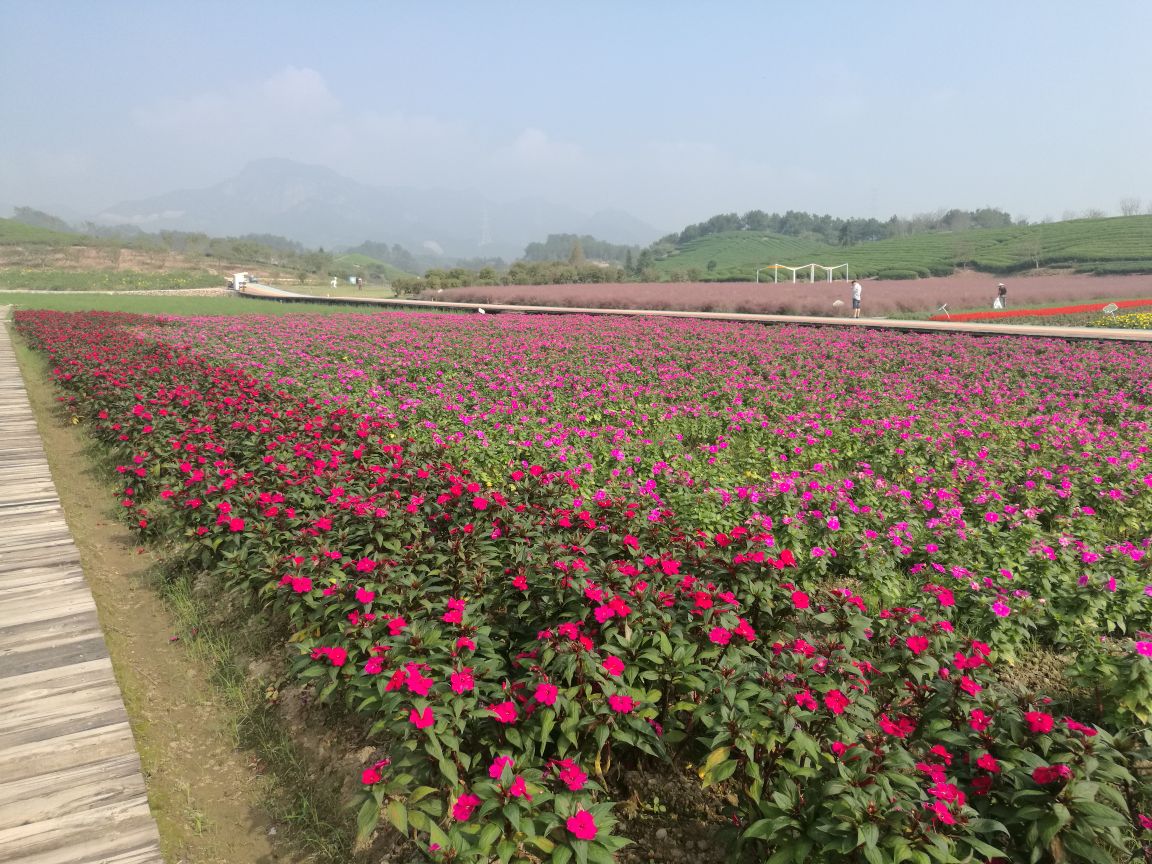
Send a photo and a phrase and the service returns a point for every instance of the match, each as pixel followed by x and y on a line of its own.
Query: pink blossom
pixel 582 825
pixel 836 701
pixel 800 600
pixel 421 720
pixel 613 666
pixel 519 789
pixel 917 644
pixel 462 809
pixel 621 704
pixel 1039 721
pixel 720 636
pixel 462 681
pixel 505 712
pixel 497 766
pixel 546 693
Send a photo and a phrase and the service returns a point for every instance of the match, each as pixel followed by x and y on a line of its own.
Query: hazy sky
pixel 672 111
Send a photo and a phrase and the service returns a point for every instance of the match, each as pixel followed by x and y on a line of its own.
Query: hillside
pixel 14 233
pixel 1117 245
pixel 355 262
pixel 34 258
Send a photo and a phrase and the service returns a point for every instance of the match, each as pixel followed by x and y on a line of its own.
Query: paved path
pixel 1107 334
pixel 71 791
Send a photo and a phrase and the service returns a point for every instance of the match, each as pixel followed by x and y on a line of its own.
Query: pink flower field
pixel 898 299
pixel 882 596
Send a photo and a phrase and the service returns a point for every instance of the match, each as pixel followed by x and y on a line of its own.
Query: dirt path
pixel 204 794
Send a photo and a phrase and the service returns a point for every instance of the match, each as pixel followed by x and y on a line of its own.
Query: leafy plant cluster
pixel 822 648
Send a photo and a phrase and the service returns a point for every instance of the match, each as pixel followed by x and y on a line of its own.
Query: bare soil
pixel 204 794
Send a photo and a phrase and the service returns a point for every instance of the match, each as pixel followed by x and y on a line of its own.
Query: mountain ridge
pixel 318 206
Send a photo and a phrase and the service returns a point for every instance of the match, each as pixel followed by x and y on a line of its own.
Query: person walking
pixel 856 292
pixel 1002 295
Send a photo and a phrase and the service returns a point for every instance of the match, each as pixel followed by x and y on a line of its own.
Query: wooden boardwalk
pixel 71 791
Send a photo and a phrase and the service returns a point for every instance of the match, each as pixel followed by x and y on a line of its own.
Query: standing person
pixel 1002 295
pixel 333 283
pixel 856 292
pixel 359 284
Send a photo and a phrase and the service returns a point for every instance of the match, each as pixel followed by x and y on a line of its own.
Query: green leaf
pixel 398 816
pixel 367 819
pixel 984 848
pixel 488 836
pixel 543 844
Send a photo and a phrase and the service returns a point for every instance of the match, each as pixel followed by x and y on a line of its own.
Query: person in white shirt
pixel 856 291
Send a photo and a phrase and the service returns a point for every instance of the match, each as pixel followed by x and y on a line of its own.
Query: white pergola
pixel 830 270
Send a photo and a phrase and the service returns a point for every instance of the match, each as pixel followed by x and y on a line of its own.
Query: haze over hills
pixel 320 207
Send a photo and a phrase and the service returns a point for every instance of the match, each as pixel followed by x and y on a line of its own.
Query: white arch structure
pixel 811 268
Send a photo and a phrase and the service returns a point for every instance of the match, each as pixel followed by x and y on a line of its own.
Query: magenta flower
pixel 497 766
pixel 363 595
pixel 505 712
pixel 421 720
pixel 462 681
pixel 462 809
pixel 1051 774
pixel 621 704
pixel 1144 648
pixel 519 789
pixel 1001 610
pixel 1038 721
pixel 917 644
pixel 546 693
pixel 570 775
pixel 417 683
pixel 836 701
pixel 800 600
pixel 613 666
pixel 372 776
pixel 582 825
pixel 720 636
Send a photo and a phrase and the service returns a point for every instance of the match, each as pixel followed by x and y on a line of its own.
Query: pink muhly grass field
pixel 903 298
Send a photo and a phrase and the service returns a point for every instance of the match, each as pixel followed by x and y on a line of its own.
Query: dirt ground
pixel 204 794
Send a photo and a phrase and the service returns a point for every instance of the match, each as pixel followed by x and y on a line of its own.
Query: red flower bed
pixel 1040 313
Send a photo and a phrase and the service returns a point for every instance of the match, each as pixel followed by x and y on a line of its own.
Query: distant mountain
pixel 320 207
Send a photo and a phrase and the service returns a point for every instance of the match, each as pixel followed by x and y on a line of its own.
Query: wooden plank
pixel 38 798
pixel 77 749
pixel 87 834
pixel 71 791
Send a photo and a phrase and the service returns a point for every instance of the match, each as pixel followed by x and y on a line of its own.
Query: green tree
pixel 576 256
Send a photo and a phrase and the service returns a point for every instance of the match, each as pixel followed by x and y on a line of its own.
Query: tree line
pixel 836 231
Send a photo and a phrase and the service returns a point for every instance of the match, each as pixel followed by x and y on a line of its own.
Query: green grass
pixel 13 233
pixel 160 305
pixel 28 279
pixel 353 260
pixel 1123 242
pixel 306 795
